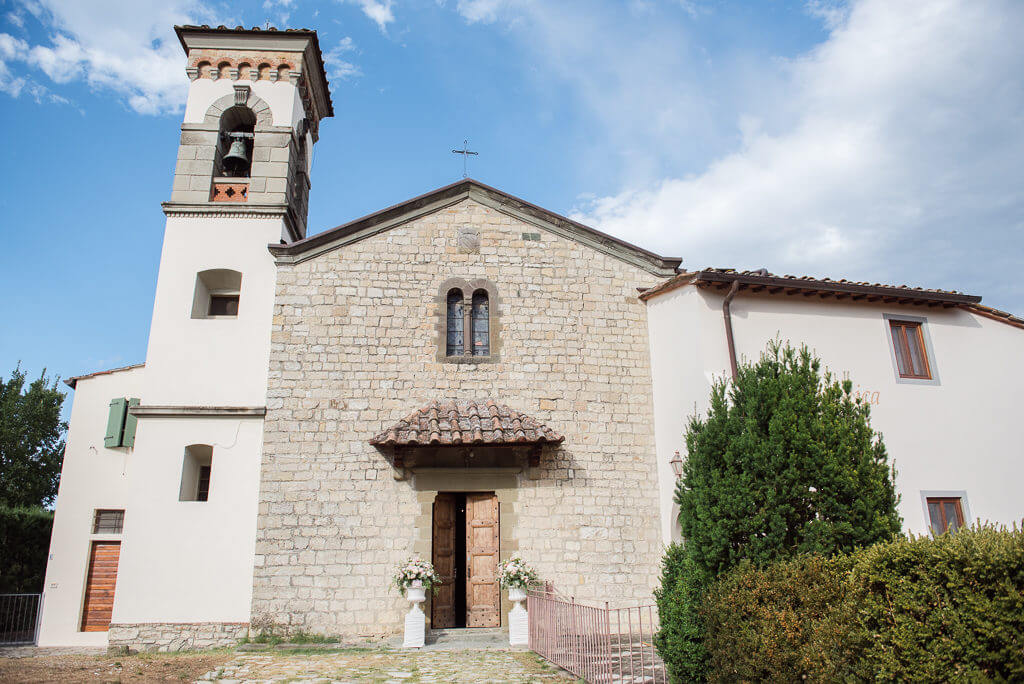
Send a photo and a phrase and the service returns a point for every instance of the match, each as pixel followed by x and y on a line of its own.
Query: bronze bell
pixel 236 161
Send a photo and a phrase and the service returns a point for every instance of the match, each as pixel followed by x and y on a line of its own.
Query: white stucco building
pixel 312 410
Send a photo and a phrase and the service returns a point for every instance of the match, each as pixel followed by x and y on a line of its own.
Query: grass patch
pixel 302 637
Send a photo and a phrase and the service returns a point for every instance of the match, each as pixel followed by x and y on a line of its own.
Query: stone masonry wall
pixel 353 350
pixel 175 636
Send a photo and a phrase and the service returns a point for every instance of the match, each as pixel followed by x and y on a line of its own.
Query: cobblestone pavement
pixel 390 667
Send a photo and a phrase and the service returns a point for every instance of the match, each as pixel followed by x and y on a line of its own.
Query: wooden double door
pixel 465 555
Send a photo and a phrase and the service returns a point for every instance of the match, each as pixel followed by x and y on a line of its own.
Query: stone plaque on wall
pixel 468 240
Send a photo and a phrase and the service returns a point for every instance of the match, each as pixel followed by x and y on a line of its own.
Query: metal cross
pixel 465 152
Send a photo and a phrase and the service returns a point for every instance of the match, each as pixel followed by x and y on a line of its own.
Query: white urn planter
pixel 415 620
pixel 518 620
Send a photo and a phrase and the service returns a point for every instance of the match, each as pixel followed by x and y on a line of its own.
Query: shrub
pixel 917 609
pixel 784 463
pixel 950 608
pixel 24 544
pixel 784 621
pixel 679 640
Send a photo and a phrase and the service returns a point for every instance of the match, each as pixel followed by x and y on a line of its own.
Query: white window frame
pixel 961 494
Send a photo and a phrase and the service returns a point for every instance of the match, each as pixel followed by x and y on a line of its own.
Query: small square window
pixel 945 514
pixel 223 305
pixel 908 344
pixel 108 522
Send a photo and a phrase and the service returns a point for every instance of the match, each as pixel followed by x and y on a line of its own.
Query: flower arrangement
pixel 516 573
pixel 414 570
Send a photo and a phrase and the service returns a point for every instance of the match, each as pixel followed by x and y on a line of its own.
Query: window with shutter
pixel 115 423
pixel 130 425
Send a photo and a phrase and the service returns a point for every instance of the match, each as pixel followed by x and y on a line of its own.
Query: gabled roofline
pixel 385 219
pixel 840 289
pixel 71 382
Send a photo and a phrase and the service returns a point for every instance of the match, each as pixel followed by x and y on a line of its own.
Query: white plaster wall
pixel 92 477
pixel 190 561
pixel 959 434
pixel 281 96
pixel 216 361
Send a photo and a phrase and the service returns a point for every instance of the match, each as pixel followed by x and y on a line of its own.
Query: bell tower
pixel 241 182
pixel 256 98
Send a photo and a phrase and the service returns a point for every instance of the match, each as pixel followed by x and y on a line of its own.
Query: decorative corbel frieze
pixel 192 73
pixel 233 73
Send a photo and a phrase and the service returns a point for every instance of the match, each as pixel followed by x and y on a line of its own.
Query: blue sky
pixel 876 140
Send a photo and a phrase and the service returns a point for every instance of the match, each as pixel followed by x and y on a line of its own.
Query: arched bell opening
pixel 235 142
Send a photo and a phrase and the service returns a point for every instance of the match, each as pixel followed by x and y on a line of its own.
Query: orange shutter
pixel 99 586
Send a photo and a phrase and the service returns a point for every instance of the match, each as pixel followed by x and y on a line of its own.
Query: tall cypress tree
pixel 784 462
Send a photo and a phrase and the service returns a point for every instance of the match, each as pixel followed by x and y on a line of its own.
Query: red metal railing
pixel 596 642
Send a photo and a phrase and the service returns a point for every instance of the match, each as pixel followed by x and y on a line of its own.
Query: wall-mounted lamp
pixel 677 465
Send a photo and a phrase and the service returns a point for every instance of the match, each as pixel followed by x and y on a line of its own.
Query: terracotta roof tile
pixel 466 422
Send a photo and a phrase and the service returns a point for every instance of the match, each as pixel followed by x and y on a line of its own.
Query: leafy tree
pixel 785 462
pixel 31 440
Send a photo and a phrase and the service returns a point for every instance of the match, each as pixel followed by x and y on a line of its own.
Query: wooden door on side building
pixel 99 586
pixel 483 597
pixel 442 605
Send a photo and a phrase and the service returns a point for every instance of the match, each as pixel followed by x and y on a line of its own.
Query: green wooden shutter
pixel 115 422
pixel 130 422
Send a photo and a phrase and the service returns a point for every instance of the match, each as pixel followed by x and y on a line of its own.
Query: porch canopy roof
pixel 467 422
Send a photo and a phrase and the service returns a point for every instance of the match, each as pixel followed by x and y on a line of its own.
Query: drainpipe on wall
pixel 728 326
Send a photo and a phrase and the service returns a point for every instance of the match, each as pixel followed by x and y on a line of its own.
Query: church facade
pixel 461 377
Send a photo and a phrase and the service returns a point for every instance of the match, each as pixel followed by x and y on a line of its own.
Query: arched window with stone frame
pixel 468 321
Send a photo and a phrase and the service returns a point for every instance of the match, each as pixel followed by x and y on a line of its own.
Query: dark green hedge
pixel 24 545
pixel 919 609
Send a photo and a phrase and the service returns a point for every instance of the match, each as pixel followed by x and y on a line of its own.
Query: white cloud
pixel 336 62
pixel 127 48
pixel 378 10
pixel 486 11
pixel 894 155
pixel 16 19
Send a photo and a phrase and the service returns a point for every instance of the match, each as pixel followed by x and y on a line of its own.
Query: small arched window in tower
pixel 455 337
pixel 234 149
pixel 195 473
pixel 480 324
pixel 217 293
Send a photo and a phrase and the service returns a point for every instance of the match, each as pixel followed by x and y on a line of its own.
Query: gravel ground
pixel 345 665
pixel 90 667
pixel 390 666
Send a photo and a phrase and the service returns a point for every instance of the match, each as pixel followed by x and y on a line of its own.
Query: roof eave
pixel 711 277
